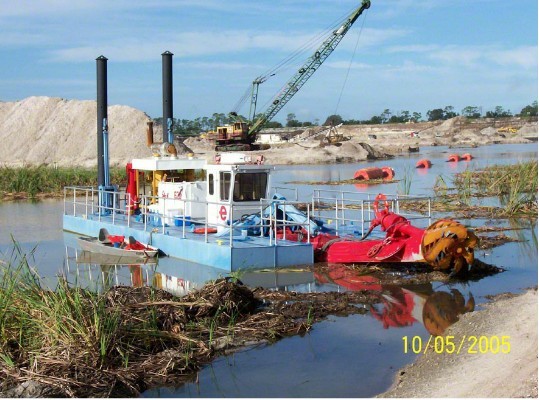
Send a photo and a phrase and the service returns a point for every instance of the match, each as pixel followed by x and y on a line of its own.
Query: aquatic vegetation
pixel 33 181
pixel 515 185
pixel 81 343
pixel 440 186
pixel 406 183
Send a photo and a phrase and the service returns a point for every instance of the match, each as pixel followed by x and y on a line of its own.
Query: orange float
pixel 453 157
pixel 466 157
pixel 366 174
pixel 389 172
pixel 424 163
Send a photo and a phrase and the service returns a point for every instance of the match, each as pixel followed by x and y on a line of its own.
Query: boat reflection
pixel 100 272
pixel 404 305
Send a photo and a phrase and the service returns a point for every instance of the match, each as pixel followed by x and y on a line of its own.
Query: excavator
pixel 240 136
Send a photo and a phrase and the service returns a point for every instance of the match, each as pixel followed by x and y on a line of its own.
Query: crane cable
pixel 284 64
pixel 315 40
pixel 350 65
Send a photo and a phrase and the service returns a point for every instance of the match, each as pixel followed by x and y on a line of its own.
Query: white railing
pixel 340 210
pixel 87 203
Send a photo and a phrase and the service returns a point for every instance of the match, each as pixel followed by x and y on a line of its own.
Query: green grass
pixel 499 180
pixel 406 183
pixel 35 180
pixel 514 185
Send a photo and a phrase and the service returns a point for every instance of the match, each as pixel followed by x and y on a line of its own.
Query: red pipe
pixel 131 188
pixel 374 173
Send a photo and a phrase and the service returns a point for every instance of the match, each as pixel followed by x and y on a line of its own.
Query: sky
pixel 401 55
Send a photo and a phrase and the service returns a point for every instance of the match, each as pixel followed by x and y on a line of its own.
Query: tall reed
pixel 406 183
pixel 34 180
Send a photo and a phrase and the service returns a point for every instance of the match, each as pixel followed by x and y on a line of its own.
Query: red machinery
pixel 446 244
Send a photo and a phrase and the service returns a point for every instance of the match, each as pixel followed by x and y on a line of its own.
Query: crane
pixel 241 135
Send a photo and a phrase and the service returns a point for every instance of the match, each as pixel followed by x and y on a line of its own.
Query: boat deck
pixel 226 252
pixel 229 250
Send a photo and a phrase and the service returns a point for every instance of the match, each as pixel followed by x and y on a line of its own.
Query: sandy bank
pixel 480 375
pixel 48 130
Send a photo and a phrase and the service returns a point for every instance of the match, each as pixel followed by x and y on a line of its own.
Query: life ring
pixel 453 158
pixel 466 157
pixel 200 231
pixel 424 163
pixel 377 199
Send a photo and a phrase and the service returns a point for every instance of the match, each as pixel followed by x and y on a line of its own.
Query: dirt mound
pixel 45 130
pixel 490 131
pixel 529 128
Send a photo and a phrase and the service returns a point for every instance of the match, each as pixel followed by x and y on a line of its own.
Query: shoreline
pixel 513 374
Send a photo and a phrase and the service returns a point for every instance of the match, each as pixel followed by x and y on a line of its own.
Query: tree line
pixel 186 127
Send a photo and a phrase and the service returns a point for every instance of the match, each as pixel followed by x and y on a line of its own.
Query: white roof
pixel 167 163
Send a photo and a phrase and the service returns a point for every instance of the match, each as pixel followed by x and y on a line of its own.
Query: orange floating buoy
pixel 366 174
pixel 424 163
pixel 203 230
pixel 453 157
pixel 389 172
pixel 466 157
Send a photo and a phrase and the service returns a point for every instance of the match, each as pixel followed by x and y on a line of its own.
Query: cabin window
pixel 210 184
pixel 225 185
pixel 250 186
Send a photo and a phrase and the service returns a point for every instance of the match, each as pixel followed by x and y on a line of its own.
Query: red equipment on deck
pixel 132 189
pixel 446 244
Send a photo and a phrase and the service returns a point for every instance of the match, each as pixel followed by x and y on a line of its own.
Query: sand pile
pixel 44 130
pixel 529 128
pixel 311 152
pixel 490 131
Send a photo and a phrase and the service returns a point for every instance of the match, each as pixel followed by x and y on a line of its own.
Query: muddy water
pixel 355 356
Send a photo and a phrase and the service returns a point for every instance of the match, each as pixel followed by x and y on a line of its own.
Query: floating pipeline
pixel 424 163
pixel 456 157
pixel 366 174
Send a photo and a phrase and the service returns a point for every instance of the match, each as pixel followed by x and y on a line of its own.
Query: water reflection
pixel 404 305
pixel 100 272
pixel 399 305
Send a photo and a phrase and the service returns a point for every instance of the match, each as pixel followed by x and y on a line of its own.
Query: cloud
pixel 473 56
pixel 205 43
pixel 32 8
pixel 414 48
pixel 525 57
pixel 477 56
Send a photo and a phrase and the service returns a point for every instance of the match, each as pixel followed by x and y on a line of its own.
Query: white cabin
pixel 235 179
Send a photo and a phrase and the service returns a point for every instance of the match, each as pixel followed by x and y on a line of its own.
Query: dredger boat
pixel 225 213
pixel 233 220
